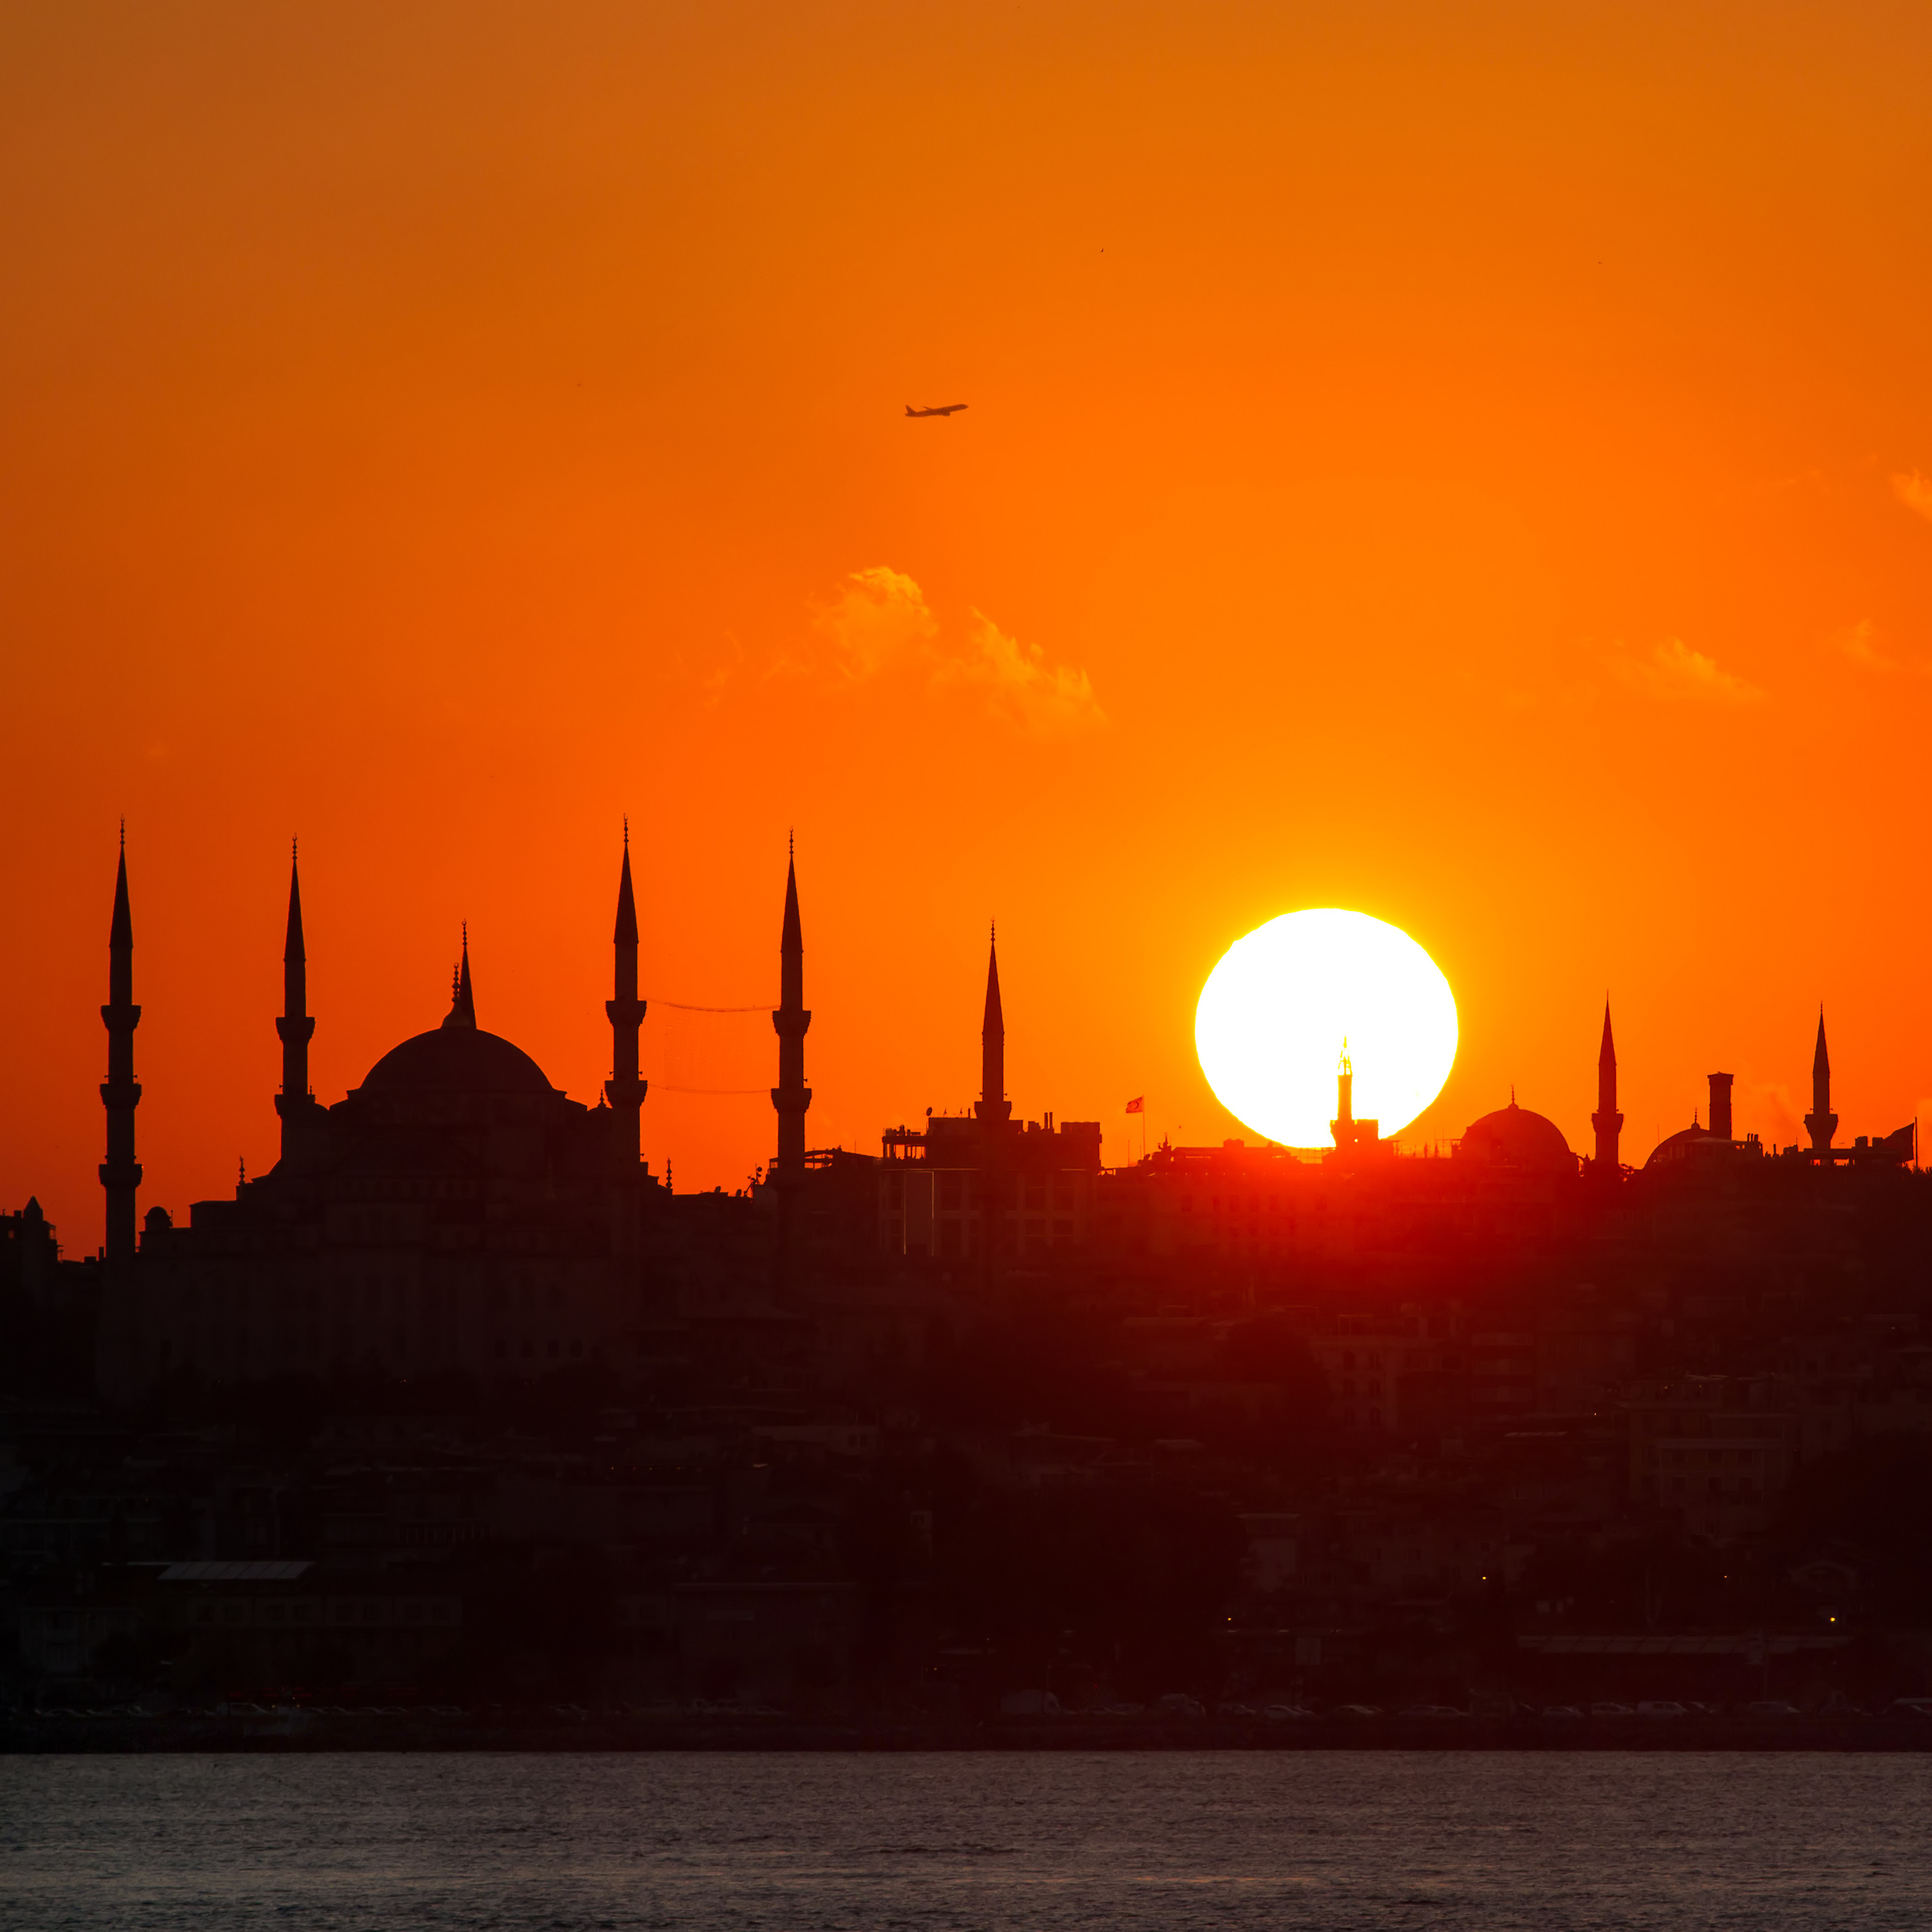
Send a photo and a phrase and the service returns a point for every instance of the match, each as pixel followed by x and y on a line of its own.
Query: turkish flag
pixel 1138 1105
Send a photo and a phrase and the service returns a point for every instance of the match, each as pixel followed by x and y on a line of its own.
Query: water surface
pixel 528 1843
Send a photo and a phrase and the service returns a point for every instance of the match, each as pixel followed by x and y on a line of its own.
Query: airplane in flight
pixel 947 409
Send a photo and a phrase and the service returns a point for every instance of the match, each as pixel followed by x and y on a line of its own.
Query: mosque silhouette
pixel 456 1214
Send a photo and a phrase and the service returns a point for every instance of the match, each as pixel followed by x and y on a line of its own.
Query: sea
pixel 552 1843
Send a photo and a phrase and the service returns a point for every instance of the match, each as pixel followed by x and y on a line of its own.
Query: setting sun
pixel 1275 1014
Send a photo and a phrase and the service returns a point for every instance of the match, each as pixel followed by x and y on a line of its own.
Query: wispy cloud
pixel 881 626
pixel 879 621
pixel 1674 672
pixel 1914 491
pixel 1858 644
pixel 1020 680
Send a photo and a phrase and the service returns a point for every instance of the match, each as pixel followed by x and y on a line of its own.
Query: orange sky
pixel 1455 462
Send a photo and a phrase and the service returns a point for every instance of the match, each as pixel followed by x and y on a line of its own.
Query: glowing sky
pixel 1466 463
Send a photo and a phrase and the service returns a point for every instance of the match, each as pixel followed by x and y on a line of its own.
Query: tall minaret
pixel 791 1097
pixel 120 1172
pixel 624 1089
pixel 1821 1123
pixel 294 1026
pixel 994 1107
pixel 1607 1121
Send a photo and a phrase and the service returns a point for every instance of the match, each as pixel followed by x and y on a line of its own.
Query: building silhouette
pixel 460 1396
pixel 456 1215
pixel 982 1187
pixel 454 1212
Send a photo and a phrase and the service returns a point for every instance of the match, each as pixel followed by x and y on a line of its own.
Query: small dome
pixel 459 1060
pixel 1686 1144
pixel 1514 1137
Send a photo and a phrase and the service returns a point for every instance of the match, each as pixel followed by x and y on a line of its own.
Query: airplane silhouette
pixel 947 410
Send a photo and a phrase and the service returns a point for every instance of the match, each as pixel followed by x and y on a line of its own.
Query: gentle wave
pixel 1452 1842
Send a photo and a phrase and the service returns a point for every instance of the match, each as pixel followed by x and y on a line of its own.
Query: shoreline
pixel 30 1734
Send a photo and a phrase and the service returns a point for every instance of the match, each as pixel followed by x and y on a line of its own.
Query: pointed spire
pixel 791 939
pixel 295 1027
pixel 994 1106
pixel 995 1020
pixel 1821 1123
pixel 121 934
pixel 293 949
pixel 1606 1121
pixel 120 1092
pixel 626 934
pixel 624 1089
pixel 791 1097
pixel 463 999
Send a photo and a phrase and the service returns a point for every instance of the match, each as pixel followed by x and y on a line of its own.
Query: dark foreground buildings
pixel 459 1402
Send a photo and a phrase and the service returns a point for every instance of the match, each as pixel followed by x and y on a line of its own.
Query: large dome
pixel 1514 1137
pixel 456 1059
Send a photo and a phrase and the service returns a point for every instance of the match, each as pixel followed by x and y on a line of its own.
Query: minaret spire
pixel 791 1097
pixel 462 997
pixel 120 1172
pixel 1821 1123
pixel 1607 1121
pixel 296 1028
pixel 994 1107
pixel 624 1089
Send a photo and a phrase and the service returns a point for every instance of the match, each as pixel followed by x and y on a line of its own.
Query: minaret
pixel 294 1026
pixel 462 1000
pixel 1607 1121
pixel 624 1089
pixel 1353 1137
pixel 791 1097
pixel 994 1107
pixel 1821 1123
pixel 120 1172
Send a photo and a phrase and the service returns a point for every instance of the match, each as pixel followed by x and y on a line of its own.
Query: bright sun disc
pixel 1275 1012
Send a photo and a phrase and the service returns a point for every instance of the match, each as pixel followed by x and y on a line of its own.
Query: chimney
pixel 1721 1105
